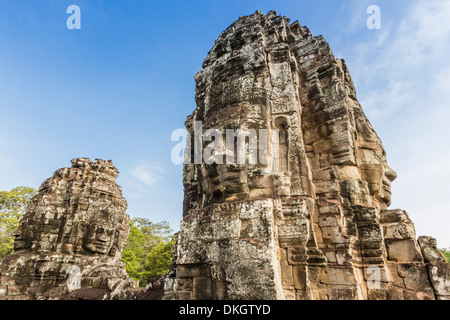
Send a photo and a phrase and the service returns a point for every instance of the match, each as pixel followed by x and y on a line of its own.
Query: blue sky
pixel 118 88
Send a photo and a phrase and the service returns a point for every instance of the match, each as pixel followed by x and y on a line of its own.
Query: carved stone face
pixel 388 177
pixel 223 183
pixel 374 167
pixel 25 234
pixel 75 213
pixel 99 238
pixel 377 173
pixel 237 181
pixel 19 242
pixel 99 235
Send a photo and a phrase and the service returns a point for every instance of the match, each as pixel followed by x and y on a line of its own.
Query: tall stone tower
pixel 318 226
pixel 71 238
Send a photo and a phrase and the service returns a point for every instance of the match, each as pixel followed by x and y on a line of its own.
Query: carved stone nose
pixel 102 238
pixel 390 174
pixel 17 233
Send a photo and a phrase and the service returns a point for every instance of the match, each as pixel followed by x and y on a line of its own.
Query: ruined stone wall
pixel 318 227
pixel 72 237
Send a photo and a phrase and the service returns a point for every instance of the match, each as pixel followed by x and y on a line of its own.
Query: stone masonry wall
pixel 319 226
pixel 71 238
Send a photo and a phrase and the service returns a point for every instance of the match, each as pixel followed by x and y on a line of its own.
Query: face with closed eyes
pixel 377 173
pixel 372 160
pixel 389 176
pixel 99 238
pixel 19 242
pixel 238 177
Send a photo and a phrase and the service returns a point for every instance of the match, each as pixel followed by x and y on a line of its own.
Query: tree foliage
pixel 159 259
pixel 149 249
pixel 446 253
pixel 13 205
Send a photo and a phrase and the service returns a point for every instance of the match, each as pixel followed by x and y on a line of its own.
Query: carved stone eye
pixel 217 197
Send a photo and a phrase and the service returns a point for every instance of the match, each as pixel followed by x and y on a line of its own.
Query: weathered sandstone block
pixel 316 224
pixel 71 238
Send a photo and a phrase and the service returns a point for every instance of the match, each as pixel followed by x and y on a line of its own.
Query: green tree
pixel 154 233
pixel 446 253
pixel 149 249
pixel 134 254
pixel 13 205
pixel 158 261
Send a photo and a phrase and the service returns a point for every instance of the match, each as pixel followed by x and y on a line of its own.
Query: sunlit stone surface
pixel 318 227
pixel 72 237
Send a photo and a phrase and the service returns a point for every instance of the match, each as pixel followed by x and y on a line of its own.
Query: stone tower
pixel 71 238
pixel 318 226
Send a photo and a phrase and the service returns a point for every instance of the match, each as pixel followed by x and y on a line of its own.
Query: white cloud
pixel 383 102
pixel 401 73
pixel 144 175
pixel 401 63
pixel 439 166
pixel 358 18
pixel 442 81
